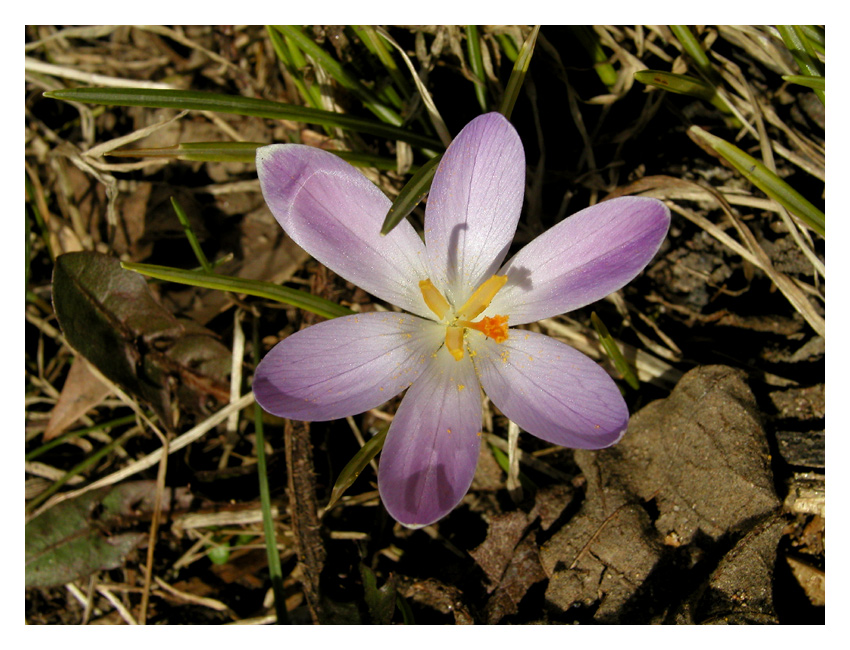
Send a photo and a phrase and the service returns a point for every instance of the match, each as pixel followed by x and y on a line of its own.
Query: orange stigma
pixel 496 327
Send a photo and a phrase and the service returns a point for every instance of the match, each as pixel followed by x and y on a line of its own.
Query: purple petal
pixel 334 213
pixel 345 366
pixel 551 390
pixel 474 205
pixel 582 259
pixel 431 449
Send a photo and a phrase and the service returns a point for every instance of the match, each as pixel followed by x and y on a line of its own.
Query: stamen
pixel 496 327
pixel 454 342
pixel 480 300
pixel 434 299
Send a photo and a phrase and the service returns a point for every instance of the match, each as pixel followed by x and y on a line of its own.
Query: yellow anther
pixel 434 299
pixel 454 342
pixel 496 327
pixel 480 300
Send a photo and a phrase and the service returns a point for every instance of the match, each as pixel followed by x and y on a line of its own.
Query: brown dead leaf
pixel 523 571
pixel 494 554
pixel 692 472
pixel 81 392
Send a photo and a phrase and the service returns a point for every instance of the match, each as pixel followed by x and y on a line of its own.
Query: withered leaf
pixel 494 554
pixel 109 316
pixel 78 537
pixel 82 391
pixel 692 472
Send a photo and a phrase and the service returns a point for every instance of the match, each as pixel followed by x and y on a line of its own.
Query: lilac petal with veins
pixel 345 366
pixel 474 205
pixel 551 390
pixel 334 213
pixel 431 450
pixel 582 259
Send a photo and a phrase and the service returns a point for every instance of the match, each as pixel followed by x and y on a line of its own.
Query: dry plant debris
pixel 138 430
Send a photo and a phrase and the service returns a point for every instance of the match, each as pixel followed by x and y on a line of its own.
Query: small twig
pixel 157 511
pixel 117 604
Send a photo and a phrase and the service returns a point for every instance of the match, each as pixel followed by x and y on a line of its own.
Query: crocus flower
pixel 462 305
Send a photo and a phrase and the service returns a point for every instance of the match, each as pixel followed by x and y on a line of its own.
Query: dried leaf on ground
pixel 81 392
pixel 692 472
pixel 110 317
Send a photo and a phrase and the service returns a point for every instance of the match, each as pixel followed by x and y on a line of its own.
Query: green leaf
pixel 72 540
pixel 759 175
pixel 613 352
pixel 518 73
pixel 219 103
pixel 357 464
pixel 381 602
pixel 268 290
pixel 411 194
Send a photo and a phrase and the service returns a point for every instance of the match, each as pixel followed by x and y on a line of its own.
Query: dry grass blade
pixel 649 367
pixel 433 113
pixel 195 433
pixel 34 65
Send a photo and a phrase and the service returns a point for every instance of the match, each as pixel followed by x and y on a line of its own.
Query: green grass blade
pixel 198 152
pixel 759 175
pixel 803 52
pixel 220 103
pixel 62 439
pixel 357 464
pixel 815 83
pixel 272 555
pixel 816 36
pixel 504 463
pixel 86 464
pixel 267 290
pixel 476 64
pixel 506 42
pixel 243 152
pixel 310 94
pixel 693 49
pixel 613 351
pixel 375 44
pixel 518 73
pixel 190 235
pixel 590 42
pixel 683 84
pixel 340 74
pixel 411 194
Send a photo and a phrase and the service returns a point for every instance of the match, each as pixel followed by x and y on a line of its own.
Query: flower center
pixel 458 322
